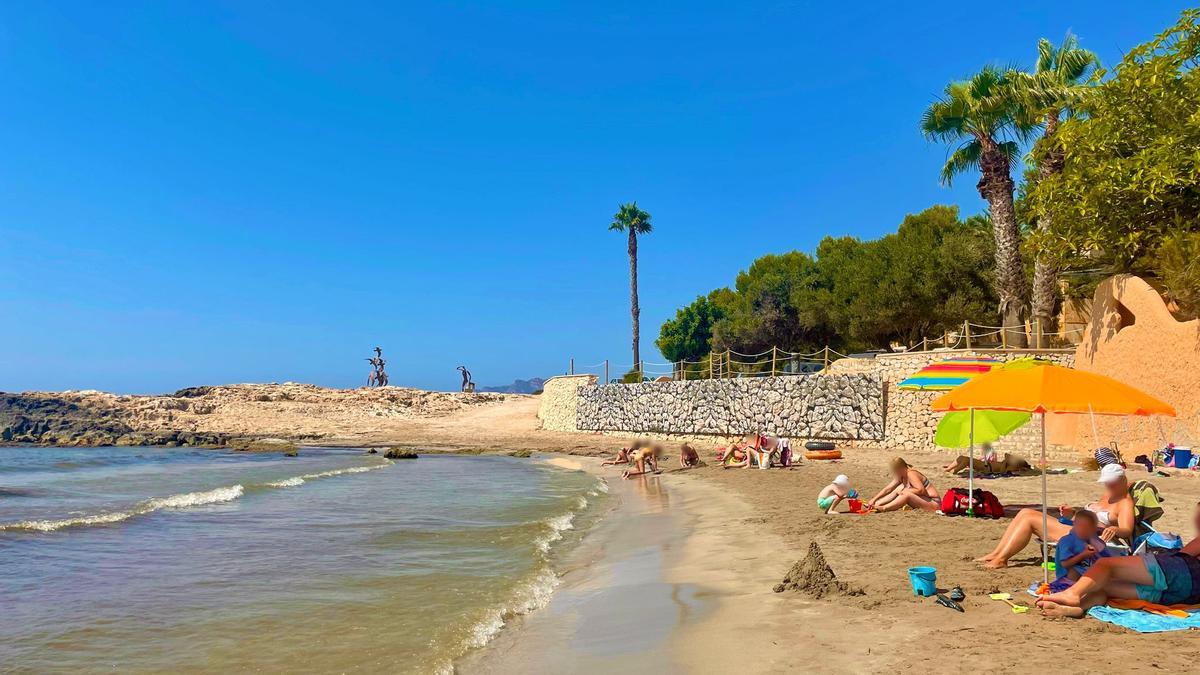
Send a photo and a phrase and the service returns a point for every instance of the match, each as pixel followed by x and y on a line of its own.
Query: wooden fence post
pixel 774 351
pixel 826 357
pixel 967 332
pixel 1004 336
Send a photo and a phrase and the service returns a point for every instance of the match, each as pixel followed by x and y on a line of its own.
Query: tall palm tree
pixel 633 221
pixel 985 127
pixel 1063 74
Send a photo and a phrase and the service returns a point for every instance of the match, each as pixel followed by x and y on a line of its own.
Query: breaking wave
pixel 179 501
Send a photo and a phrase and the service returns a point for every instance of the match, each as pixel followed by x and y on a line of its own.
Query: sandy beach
pixel 744 528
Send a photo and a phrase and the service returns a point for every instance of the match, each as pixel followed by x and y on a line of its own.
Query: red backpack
pixel 957 502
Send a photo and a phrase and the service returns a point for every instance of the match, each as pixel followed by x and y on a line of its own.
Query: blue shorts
pixel 1174 579
pixel 1153 591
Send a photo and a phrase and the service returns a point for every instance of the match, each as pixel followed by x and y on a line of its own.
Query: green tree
pixel 633 221
pixel 688 337
pixel 985 126
pixel 776 303
pixel 1130 176
pixel 1059 81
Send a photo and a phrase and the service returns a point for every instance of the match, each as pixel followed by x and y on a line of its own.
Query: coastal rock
pixel 400 453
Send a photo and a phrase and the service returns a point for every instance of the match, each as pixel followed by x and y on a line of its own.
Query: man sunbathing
pixel 1010 464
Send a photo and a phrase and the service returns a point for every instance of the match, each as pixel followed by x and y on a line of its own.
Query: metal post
pixel 1045 549
pixel 605 371
pixel 572 370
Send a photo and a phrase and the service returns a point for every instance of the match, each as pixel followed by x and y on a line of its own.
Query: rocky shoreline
pixel 248 417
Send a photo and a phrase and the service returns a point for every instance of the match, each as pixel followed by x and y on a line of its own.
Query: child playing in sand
pixel 645 460
pixel 688 457
pixel 833 494
pixel 1079 548
pixel 623 455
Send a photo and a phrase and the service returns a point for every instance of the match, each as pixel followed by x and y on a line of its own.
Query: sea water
pixel 137 559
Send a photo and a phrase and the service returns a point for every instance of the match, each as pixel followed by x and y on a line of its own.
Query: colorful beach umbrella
pixel 1050 389
pixel 954 430
pixel 948 374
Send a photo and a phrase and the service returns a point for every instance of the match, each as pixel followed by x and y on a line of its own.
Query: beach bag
pixel 785 452
pixel 1163 542
pixel 958 502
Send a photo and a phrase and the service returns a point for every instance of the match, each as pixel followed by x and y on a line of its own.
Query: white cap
pixel 1111 473
pixel 842 480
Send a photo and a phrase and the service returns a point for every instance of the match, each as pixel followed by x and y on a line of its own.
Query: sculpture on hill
pixel 378 376
pixel 467 384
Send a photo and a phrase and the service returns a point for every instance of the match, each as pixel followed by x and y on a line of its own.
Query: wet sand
pixel 658 586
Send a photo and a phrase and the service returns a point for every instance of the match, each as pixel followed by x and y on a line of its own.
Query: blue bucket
pixel 924 580
pixel 1182 458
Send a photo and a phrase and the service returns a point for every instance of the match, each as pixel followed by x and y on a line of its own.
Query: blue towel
pixel 1145 622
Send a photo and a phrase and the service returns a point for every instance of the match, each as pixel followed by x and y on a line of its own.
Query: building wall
pixel 556 409
pixel 842 407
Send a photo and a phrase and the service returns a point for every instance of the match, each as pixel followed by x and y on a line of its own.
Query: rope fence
pixel 776 361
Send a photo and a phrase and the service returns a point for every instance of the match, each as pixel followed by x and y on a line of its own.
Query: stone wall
pixel 842 407
pixel 556 408
pixel 910 422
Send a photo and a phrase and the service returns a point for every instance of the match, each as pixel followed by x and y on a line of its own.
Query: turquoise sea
pixel 153 560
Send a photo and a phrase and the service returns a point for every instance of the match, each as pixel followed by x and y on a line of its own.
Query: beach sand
pixel 771 517
pixel 660 585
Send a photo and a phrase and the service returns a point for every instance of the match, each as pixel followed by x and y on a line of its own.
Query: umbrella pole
pixel 971 469
pixel 1045 519
pixel 1095 435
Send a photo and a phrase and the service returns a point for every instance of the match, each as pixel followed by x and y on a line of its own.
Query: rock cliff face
pixel 217 415
pixel 847 407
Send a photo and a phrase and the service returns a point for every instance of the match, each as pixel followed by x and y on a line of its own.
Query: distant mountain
pixel 532 385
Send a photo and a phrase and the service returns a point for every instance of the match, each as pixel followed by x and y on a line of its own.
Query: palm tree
pixel 986 128
pixel 1062 75
pixel 634 221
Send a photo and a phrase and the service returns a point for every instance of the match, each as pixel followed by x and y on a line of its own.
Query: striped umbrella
pixel 948 374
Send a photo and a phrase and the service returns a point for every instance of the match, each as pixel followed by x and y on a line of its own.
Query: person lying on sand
pixel 688 457
pixel 833 494
pixel 909 487
pixel 737 455
pixel 1114 512
pixel 643 457
pixel 1010 464
pixel 1171 578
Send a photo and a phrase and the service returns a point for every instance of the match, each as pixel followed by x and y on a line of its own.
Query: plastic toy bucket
pixel 924 580
pixel 1182 457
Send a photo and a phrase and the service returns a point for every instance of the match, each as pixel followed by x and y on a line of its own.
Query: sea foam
pixel 179 501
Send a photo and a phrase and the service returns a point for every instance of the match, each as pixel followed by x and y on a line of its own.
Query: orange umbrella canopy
pixel 1051 389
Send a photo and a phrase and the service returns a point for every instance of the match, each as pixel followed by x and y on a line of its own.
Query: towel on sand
pixel 1147 617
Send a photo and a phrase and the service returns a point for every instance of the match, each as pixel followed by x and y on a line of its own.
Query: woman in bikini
pixel 1171 578
pixel 645 460
pixel 909 487
pixel 1114 511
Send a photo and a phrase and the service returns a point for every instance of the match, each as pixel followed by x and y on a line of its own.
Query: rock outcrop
pixel 219 416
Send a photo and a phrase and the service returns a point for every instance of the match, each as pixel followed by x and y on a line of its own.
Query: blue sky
pixel 202 193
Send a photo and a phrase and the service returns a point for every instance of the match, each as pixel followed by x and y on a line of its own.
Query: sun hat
pixel 842 480
pixel 1111 473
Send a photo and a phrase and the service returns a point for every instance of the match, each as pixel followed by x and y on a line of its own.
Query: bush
pixel 632 377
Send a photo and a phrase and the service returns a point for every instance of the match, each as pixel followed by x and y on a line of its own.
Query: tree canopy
pixel 930 275
pixel 1130 179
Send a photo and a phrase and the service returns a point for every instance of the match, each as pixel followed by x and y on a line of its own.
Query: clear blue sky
pixel 197 193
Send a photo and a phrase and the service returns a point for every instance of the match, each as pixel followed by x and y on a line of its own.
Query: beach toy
pixel 1007 599
pixel 819 445
pixel 1182 457
pixel 924 580
pixel 823 454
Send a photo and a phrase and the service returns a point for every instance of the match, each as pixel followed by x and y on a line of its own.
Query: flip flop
pixel 947 602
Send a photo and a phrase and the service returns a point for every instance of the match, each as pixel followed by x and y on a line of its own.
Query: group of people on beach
pixel 1091 567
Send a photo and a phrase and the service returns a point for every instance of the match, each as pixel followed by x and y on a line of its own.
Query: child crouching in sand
pixel 688 457
pixel 645 459
pixel 833 494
